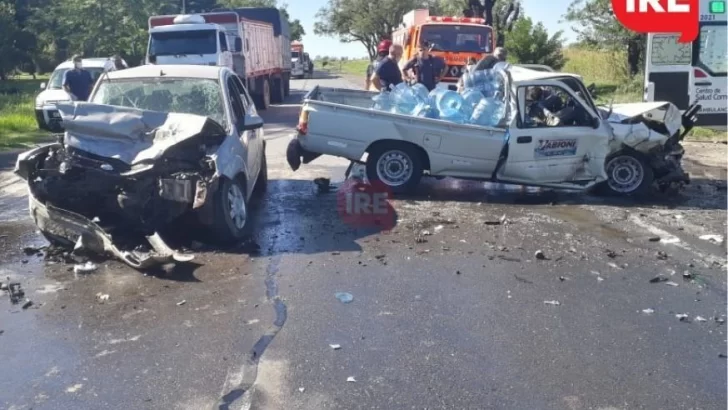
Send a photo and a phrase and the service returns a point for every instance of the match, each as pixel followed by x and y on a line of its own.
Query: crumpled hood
pixel 634 124
pixel 128 134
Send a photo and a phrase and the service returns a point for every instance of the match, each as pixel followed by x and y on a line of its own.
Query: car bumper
pixel 48 118
pixel 76 230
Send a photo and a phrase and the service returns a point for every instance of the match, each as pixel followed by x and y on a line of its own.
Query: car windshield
pixel 175 43
pixel 181 95
pixel 295 54
pixel 457 38
pixel 56 80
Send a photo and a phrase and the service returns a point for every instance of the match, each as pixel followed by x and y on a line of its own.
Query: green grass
pixel 18 127
pixel 350 67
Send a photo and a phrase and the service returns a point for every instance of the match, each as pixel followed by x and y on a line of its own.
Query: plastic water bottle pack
pixel 480 103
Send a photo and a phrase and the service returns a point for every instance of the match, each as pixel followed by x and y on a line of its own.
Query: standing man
pixel 382 51
pixel 388 73
pixel 425 68
pixel 499 55
pixel 78 82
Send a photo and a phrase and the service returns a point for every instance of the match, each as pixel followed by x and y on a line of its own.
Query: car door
pixel 238 112
pixel 555 154
pixel 256 142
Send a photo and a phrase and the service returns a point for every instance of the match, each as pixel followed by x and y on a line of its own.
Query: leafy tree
pixel 596 25
pixel 297 31
pixel 530 43
pixel 9 32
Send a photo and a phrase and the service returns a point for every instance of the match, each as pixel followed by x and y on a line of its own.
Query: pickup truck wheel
pixel 231 211
pixel 628 175
pixel 399 167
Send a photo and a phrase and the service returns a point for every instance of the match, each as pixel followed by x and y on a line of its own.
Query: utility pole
pixel 184 6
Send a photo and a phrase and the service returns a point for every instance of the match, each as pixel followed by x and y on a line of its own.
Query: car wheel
pixel 261 184
pixel 231 211
pixel 628 174
pixel 398 166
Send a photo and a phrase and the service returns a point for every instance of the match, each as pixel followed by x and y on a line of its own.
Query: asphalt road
pixel 454 320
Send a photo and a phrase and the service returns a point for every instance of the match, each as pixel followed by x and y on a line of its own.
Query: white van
pixel 46 113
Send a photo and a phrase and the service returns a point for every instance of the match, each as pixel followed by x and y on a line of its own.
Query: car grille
pixel 454 71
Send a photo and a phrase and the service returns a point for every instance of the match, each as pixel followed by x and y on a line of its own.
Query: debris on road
pixel 662 255
pixel 688 275
pixel 74 388
pixel 84 268
pixel 658 279
pixel 648 311
pixel 700 319
pixel 301 389
pixel 682 317
pixel 28 303
pixel 552 302
pixel 323 185
pixel 599 278
pixel 16 292
pixel 32 250
pixel 671 283
pixel 613 265
pixel 351 379
pixel 611 254
pixel 438 228
pixel 540 255
pixel 522 280
pixel 102 296
pixel 335 346
pixel 712 238
pixel 344 297
pixel 654 239
pixel 562 278
pixel 181 302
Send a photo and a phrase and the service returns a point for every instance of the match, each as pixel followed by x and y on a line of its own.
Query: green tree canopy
pixel 530 43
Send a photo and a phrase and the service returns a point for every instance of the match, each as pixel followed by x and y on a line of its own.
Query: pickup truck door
pixel 555 154
pixel 248 139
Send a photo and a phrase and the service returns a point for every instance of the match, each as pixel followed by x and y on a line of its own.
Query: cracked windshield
pixel 324 204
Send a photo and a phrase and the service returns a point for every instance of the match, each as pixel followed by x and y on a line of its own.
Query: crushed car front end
pixel 120 175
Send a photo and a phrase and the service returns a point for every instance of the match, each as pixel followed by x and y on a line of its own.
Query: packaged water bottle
pixel 471 97
pixel 404 99
pixel 382 101
pixel 498 114
pixel 421 92
pixel 448 103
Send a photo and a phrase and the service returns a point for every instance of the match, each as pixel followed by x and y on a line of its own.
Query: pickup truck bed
pixel 340 122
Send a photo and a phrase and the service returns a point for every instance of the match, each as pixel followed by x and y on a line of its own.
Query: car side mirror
pixel 252 122
pixel 42 86
pixel 596 122
pixel 238 44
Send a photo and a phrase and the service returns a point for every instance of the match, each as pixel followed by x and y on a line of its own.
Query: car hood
pixel 128 134
pixel 52 96
pixel 644 124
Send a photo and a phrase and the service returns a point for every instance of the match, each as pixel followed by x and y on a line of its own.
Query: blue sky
pixel 548 12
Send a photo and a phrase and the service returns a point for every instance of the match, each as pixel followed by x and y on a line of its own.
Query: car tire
pixel 230 221
pixel 628 174
pixel 261 183
pixel 396 165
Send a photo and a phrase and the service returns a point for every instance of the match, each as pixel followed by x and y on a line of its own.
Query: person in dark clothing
pixel 388 74
pixel 488 62
pixel 425 68
pixel 78 82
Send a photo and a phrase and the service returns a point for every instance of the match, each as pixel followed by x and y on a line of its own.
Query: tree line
pixel 36 35
pixel 367 22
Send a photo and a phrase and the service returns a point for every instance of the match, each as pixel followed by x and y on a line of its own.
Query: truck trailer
pixel 248 47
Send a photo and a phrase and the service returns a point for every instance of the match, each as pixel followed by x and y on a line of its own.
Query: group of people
pixel 384 72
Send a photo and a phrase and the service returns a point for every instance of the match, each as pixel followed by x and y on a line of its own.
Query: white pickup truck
pixel 626 149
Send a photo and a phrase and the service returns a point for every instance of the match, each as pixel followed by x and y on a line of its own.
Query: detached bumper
pixel 75 229
pixel 296 154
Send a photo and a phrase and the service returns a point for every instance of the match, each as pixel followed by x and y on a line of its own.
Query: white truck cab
pixel 190 40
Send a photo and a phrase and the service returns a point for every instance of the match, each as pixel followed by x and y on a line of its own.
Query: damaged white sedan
pixel 155 146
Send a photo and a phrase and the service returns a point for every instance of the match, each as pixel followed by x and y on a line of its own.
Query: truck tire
pixel 262 99
pixel 286 84
pixel 230 211
pixel 277 92
pixel 396 165
pixel 628 174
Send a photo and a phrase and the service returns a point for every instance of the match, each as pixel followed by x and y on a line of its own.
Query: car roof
pixel 522 74
pixel 94 62
pixel 171 70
